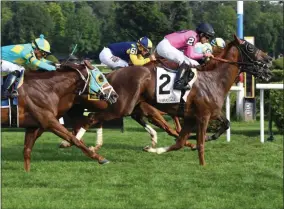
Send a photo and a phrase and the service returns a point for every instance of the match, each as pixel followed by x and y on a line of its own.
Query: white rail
pixel 262 87
pixel 233 88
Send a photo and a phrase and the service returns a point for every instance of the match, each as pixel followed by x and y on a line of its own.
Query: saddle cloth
pixel 12 103
pixel 164 86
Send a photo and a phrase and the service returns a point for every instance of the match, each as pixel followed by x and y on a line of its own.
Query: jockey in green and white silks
pixel 14 56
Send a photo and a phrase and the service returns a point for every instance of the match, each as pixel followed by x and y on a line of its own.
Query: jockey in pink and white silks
pixel 172 45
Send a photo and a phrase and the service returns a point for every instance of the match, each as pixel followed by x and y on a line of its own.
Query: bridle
pixel 85 79
pixel 247 61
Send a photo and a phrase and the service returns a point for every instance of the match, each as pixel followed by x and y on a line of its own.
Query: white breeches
pixel 107 58
pixel 9 67
pixel 166 50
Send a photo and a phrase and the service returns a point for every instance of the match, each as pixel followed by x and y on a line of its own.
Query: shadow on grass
pixel 51 152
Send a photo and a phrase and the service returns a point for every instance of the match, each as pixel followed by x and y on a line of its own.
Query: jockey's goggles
pixel 44 54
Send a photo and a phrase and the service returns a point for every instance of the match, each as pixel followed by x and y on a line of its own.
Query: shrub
pixel 278 63
pixel 277 108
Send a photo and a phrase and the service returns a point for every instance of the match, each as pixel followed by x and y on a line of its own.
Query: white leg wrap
pixel 152 132
pixel 99 136
pixel 61 120
pixel 162 150
pixel 80 133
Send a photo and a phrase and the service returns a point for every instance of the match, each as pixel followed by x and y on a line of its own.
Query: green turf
pixel 241 174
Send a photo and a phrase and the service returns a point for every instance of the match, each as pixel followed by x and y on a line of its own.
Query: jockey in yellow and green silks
pixel 122 54
pixel 13 57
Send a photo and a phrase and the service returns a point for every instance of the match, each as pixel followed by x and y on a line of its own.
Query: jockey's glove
pixel 57 66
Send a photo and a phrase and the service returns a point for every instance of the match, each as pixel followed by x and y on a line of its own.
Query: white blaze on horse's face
pixel 109 93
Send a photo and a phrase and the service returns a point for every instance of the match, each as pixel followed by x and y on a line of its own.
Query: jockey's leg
pixel 8 83
pixel 185 74
pixel 107 58
pixel 180 81
pixel 13 71
pixel 166 50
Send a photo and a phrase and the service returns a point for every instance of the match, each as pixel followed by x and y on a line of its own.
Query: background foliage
pixel 92 25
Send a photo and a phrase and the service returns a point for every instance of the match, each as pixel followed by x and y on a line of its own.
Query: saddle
pixel 173 67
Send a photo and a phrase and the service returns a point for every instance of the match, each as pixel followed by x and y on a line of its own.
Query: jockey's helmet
pixel 41 43
pixel 144 43
pixel 206 29
pixel 219 42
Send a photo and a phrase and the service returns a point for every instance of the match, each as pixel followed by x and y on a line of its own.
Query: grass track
pixel 241 174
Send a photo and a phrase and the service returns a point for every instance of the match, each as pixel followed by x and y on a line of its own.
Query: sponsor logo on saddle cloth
pixel 165 82
pixel 96 84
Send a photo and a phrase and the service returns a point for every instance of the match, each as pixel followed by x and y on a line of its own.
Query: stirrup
pixel 14 94
pixel 178 85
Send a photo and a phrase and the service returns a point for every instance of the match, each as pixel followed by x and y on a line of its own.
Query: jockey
pixel 15 56
pixel 122 54
pixel 172 45
pixel 218 42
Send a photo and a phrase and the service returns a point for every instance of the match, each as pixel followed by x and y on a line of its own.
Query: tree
pixel 82 28
pixel 224 21
pixel 29 21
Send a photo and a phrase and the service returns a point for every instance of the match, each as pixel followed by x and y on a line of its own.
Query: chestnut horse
pixel 136 84
pixel 43 98
pixel 142 110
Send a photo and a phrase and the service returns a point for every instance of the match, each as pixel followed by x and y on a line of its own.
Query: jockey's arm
pixel 189 52
pixel 39 63
pixel 47 61
pixel 138 59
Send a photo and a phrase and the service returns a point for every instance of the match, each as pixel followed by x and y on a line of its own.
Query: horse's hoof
pixel 146 148
pixel 193 148
pixel 149 149
pixel 64 144
pixel 104 161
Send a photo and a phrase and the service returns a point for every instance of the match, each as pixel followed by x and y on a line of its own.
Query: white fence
pixel 239 89
pixel 262 87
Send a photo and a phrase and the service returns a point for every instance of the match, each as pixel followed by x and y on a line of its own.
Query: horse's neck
pixel 60 83
pixel 224 73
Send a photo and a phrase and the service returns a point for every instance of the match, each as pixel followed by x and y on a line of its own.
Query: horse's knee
pixel 27 153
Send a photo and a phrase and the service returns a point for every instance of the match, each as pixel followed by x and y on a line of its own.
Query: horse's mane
pixel 68 67
pixel 210 65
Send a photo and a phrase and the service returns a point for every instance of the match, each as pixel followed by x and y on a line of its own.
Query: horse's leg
pixel 99 140
pixel 181 141
pixel 202 123
pixel 31 136
pixel 78 123
pixel 148 128
pixel 225 124
pixel 155 117
pixel 62 132
pixel 177 124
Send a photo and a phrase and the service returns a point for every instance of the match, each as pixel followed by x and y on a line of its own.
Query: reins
pixel 231 62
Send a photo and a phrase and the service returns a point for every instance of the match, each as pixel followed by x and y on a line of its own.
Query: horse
pixel 82 102
pixel 142 109
pixel 44 97
pixel 203 103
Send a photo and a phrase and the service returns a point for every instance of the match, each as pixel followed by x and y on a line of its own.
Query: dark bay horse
pixel 206 98
pixel 43 98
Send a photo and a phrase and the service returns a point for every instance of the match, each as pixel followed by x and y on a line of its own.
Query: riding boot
pixel 180 83
pixel 7 85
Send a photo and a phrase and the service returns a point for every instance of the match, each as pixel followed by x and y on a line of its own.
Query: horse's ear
pixel 88 64
pixel 237 39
